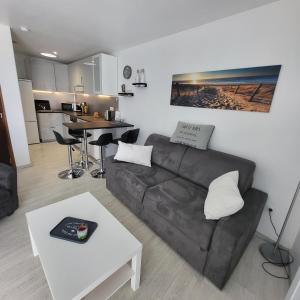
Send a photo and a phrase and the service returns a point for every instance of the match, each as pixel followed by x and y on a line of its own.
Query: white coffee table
pixel 94 270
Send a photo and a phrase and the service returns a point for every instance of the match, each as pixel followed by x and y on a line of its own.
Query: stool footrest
pixel 71 173
pixel 98 173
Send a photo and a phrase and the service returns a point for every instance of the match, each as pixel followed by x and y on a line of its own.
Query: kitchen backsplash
pixel 95 103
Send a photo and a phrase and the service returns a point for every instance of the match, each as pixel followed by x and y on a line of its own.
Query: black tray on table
pixel 66 229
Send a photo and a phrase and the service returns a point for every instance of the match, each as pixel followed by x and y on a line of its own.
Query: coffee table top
pixel 73 270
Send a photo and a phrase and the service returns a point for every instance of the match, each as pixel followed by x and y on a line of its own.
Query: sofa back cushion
pixel 203 166
pixel 165 153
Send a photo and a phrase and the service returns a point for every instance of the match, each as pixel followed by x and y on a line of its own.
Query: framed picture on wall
pixel 246 89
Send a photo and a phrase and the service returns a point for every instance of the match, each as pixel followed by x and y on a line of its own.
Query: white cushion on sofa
pixel 223 198
pixel 136 154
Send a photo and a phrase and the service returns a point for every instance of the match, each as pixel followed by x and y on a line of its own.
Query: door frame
pixel 9 144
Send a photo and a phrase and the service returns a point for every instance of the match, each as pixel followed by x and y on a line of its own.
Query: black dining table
pixel 91 124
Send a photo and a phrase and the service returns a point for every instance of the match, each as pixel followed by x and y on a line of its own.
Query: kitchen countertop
pixel 90 121
pixel 79 115
pixel 97 124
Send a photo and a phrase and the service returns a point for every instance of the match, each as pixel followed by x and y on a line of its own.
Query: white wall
pixel 294 290
pixel 11 97
pixel 295 251
pixel 264 36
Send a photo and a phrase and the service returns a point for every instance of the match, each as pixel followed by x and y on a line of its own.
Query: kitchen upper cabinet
pixel 74 76
pixel 81 75
pixel 61 77
pixel 43 75
pixel 49 76
pixel 105 74
pixel 23 66
pixel 87 74
pixel 97 74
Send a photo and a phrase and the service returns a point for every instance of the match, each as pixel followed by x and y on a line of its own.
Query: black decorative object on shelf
pixel 140 84
pixel 126 94
pixel 66 229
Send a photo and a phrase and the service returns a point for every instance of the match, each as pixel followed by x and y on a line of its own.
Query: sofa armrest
pixel 231 236
pixel 7 177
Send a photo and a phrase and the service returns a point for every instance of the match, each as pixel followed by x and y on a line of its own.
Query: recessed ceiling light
pixel 25 29
pixel 48 54
pixel 89 63
pixel 54 52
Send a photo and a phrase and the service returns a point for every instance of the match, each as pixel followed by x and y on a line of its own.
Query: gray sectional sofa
pixel 170 197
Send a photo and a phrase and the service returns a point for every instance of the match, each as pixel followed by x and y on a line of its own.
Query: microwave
pixel 70 107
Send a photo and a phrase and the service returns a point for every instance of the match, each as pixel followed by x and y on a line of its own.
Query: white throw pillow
pixel 223 198
pixel 136 154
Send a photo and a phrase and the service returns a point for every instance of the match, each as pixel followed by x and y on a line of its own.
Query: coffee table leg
pixel 136 267
pixel 34 250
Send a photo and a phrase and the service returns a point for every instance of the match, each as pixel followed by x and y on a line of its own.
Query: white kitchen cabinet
pixel 61 77
pixel 32 132
pixel 49 76
pixel 81 74
pixel 66 119
pixel 43 75
pixel 97 74
pixel 74 76
pixel 105 74
pixel 47 123
pixel 87 75
pixel 23 66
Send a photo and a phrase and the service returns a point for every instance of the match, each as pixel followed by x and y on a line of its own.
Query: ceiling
pixel 78 28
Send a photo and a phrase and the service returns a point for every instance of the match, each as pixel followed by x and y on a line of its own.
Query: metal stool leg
pixel 99 173
pixel 70 157
pixel 81 163
pixel 72 172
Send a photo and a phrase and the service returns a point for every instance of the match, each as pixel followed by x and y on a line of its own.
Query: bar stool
pixel 78 134
pixel 128 137
pixel 72 172
pixel 103 140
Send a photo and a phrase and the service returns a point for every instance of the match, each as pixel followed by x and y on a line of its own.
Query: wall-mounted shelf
pixel 129 94
pixel 140 84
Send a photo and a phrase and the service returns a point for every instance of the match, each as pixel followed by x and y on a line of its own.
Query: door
pixel 109 75
pixel 61 77
pixel 105 74
pixel 29 111
pixel 6 152
pixel 56 123
pixel 27 100
pixel 43 75
pixel 45 127
pixel 32 132
pixel 97 74
pixel 49 122
pixel 87 74
pixel 75 75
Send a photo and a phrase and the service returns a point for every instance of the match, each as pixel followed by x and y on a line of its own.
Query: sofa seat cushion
pixel 135 179
pixel 181 203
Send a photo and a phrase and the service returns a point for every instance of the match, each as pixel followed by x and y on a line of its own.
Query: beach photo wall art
pixel 246 89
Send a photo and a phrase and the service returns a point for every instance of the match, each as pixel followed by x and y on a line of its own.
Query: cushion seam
pixel 189 238
pixel 151 186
